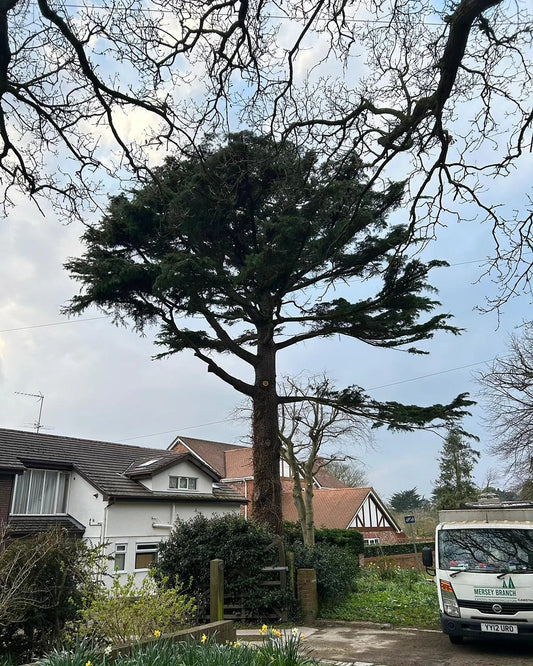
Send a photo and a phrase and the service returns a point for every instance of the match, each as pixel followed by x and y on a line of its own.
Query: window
pixel 120 556
pixel 182 482
pixel 145 555
pixel 39 491
pixel 371 541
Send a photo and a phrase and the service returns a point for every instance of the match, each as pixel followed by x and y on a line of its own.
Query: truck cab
pixel 484 571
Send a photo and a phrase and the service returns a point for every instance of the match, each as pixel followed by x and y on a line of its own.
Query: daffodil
pixel 88 663
pixel 276 633
pixel 107 650
pixel 157 633
pixel 204 638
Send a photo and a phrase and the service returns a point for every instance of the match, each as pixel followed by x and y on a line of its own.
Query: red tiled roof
pixel 212 453
pixel 327 480
pixel 333 509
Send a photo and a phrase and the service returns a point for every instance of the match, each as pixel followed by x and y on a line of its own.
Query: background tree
pixel 455 484
pixel 250 239
pixel 350 471
pixel 507 391
pixel 305 429
pixel 44 582
pixel 407 500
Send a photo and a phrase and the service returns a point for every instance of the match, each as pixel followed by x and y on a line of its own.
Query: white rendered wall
pixel 86 504
pixel 131 523
pixel 159 482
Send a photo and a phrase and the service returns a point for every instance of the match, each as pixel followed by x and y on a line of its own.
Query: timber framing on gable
pixel 372 513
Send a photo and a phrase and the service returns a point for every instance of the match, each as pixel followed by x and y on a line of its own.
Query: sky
pixel 100 382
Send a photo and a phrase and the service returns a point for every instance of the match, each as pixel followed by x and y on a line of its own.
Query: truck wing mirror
pixel 427 556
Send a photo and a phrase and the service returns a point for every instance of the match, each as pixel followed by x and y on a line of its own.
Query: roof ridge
pixel 40 435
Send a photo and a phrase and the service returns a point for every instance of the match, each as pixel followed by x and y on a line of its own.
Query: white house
pixel 126 497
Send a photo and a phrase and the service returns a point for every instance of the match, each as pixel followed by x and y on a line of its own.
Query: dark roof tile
pixel 106 465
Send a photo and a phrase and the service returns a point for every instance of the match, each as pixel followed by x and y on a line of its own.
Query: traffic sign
pixel 409 520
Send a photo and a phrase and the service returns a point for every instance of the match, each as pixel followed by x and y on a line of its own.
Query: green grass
pixel 387 594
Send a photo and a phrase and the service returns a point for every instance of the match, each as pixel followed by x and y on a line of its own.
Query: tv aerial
pixel 37 424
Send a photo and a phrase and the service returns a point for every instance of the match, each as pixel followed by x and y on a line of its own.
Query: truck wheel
pixel 456 640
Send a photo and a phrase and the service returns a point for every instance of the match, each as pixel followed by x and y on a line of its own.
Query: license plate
pixel 499 628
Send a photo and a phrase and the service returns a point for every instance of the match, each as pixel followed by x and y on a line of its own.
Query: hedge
pixel 397 549
pixel 350 539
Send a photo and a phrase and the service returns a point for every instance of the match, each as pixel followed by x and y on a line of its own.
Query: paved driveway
pixel 371 645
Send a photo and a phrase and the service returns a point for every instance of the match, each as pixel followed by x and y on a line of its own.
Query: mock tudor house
pixel 334 504
pixel 126 497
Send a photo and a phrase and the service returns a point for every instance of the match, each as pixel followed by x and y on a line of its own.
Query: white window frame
pixel 183 483
pixel 121 549
pixel 371 541
pixel 57 499
pixel 142 549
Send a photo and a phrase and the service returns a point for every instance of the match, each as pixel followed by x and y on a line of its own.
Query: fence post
pixel 307 594
pixel 216 606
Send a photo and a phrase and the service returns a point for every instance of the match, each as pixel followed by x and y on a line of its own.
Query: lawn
pixel 387 594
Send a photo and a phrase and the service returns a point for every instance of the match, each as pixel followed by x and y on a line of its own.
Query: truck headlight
pixel 451 607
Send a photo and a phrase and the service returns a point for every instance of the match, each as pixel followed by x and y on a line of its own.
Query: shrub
pixel 396 548
pixel 244 547
pixel 350 539
pixel 124 611
pixel 335 568
pixel 43 581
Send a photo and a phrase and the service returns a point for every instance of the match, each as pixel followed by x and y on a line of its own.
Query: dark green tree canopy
pixel 455 484
pixel 250 237
pixel 241 234
pixel 407 500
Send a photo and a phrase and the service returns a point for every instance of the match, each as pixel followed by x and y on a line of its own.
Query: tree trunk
pixel 266 498
pixel 297 496
pixel 309 531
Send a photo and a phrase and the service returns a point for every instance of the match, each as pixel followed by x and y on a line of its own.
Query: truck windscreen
pixel 486 550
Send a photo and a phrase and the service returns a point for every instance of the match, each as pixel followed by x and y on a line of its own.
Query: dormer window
pixel 39 491
pixel 182 482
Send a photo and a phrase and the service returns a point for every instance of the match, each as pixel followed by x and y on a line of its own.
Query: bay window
pixel 39 491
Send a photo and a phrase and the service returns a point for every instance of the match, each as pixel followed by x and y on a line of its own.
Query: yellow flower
pixel 276 633
pixel 157 633
pixel 204 638
pixel 88 663
pixel 236 644
pixel 264 629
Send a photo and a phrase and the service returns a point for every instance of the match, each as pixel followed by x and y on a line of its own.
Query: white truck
pixel 483 570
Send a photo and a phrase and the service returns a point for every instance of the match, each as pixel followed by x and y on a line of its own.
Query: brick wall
pixel 386 535
pixel 404 561
pixel 6 489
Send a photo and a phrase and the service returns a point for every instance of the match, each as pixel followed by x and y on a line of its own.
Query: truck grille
pixel 486 607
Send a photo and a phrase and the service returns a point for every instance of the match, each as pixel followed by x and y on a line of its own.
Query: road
pixel 364 644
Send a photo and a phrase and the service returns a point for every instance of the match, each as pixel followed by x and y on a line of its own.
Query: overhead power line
pixel 167 432
pixel 432 374
pixel 55 323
